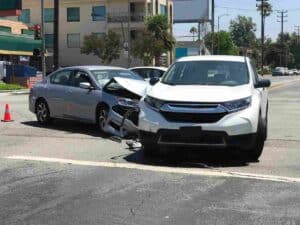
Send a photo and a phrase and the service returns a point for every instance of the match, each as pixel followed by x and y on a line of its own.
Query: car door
pixel 56 90
pixel 83 102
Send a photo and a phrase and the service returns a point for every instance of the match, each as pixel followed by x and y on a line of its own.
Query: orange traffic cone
pixel 7 116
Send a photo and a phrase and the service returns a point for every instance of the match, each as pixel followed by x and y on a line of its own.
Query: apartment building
pixel 82 17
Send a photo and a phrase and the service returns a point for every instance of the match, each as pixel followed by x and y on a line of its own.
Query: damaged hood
pixel 138 87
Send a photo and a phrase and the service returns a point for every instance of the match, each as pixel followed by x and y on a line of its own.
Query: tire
pixel 150 149
pixel 43 112
pixel 256 150
pixel 102 115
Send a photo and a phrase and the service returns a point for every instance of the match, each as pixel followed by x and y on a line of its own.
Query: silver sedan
pixel 88 94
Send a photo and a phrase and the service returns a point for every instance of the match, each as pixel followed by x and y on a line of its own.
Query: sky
pixel 248 8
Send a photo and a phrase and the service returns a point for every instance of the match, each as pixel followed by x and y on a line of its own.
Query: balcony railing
pixel 118 17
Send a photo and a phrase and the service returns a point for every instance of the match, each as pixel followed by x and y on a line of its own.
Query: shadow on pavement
pixel 70 127
pixel 192 158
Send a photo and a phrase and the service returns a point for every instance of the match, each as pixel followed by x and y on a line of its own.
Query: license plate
pixel 190 131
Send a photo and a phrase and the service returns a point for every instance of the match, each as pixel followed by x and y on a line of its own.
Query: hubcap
pixel 42 112
pixel 102 118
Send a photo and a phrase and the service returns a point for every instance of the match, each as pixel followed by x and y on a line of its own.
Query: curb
pixel 16 92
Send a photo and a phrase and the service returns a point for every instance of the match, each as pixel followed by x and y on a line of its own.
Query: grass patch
pixel 4 86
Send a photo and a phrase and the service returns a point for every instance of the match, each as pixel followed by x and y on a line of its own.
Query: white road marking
pixel 189 171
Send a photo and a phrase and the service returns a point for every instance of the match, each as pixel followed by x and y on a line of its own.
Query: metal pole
pixel 199 37
pixel 56 35
pixel 43 40
pixel 128 33
pixel 262 35
pixel 212 24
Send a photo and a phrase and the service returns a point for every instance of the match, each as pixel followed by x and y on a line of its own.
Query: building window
pixel 49 40
pixel 163 9
pixel 49 15
pixel 99 13
pixel 73 14
pixel 25 16
pixel 73 40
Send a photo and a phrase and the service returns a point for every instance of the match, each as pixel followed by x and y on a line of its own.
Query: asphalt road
pixel 68 173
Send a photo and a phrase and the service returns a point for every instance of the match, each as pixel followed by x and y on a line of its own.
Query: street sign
pixel 191 11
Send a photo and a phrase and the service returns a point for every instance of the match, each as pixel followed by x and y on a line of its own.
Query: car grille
pixel 121 110
pixel 193 117
pixel 208 138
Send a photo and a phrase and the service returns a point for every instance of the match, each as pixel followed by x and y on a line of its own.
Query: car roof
pixel 150 67
pixel 95 67
pixel 213 58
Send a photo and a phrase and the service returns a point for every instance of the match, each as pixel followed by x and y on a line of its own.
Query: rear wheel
pixel 43 112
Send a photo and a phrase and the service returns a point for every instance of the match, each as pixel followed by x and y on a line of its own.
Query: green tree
pixel 162 41
pixel 242 31
pixel 223 43
pixel 266 7
pixel 106 47
pixel 193 31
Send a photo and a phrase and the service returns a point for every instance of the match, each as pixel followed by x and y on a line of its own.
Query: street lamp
pixel 219 17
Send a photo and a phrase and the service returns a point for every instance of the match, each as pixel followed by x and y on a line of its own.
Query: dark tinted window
pixel 207 73
pixel 144 73
pixel 61 77
pixel 80 77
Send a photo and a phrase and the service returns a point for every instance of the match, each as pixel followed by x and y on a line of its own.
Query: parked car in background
pixel 79 93
pixel 148 72
pixel 294 71
pixel 207 101
pixel 279 71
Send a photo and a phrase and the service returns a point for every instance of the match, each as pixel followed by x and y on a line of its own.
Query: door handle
pixel 69 91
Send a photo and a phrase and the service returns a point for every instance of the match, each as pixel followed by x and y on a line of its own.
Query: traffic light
pixel 37 32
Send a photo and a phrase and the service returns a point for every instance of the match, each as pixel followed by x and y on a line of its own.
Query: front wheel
pixel 43 112
pixel 102 117
pixel 256 150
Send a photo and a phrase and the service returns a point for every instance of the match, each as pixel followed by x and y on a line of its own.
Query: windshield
pixel 207 73
pixel 104 76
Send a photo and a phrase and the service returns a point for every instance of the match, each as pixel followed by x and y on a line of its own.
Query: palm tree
pixel 193 31
pixel 267 9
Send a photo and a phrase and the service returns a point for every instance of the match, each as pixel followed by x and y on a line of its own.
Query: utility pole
pixel 212 25
pixel 129 35
pixel 263 15
pixel 282 15
pixel 43 39
pixel 298 33
pixel 56 35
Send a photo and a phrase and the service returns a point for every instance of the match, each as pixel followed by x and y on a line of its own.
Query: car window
pixel 207 73
pixel 255 78
pixel 144 73
pixel 80 77
pixel 61 77
pixel 104 76
pixel 155 73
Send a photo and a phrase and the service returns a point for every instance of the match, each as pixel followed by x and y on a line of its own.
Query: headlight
pixel 237 105
pixel 153 102
pixel 126 102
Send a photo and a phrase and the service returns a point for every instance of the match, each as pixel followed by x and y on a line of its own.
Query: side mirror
pixel 263 83
pixel 85 85
pixel 153 80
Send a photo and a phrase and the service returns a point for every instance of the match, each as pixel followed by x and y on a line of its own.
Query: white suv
pixel 206 101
